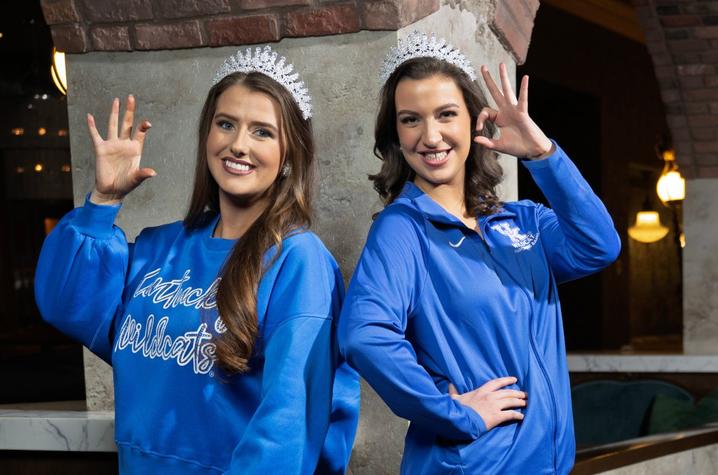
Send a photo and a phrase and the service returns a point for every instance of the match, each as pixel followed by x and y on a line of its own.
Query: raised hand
pixel 492 402
pixel 117 159
pixel 518 133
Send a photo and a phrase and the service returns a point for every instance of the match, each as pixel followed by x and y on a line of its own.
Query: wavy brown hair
pixel 483 171
pixel 289 208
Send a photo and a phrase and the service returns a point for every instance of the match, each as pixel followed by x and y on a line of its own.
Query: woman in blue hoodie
pixel 452 314
pixel 260 389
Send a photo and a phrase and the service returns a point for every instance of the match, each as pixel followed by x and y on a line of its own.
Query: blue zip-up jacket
pixel 149 309
pixel 432 302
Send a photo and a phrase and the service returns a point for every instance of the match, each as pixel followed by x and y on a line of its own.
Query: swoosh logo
pixel 458 243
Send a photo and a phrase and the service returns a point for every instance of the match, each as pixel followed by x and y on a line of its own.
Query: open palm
pixel 117 158
pixel 518 133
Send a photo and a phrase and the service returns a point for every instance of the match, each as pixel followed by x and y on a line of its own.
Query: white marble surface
pixel 698 461
pixel 85 431
pixel 631 363
pixel 700 267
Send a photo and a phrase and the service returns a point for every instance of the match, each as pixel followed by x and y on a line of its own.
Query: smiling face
pixel 244 146
pixel 434 128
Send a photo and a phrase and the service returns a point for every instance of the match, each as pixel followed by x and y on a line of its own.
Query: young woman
pixel 250 392
pixel 452 314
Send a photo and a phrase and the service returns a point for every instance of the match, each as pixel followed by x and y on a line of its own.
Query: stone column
pixel 682 38
pixel 341 71
pixel 700 268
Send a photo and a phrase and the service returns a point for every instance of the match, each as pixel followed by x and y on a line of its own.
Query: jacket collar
pixel 434 212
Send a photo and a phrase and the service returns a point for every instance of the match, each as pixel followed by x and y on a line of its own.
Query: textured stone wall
pixel 682 38
pixel 341 72
pixel 700 268
pixel 80 26
pixel 698 461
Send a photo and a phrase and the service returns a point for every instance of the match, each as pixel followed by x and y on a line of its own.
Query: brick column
pixel 682 38
pixel 80 26
pixel 165 51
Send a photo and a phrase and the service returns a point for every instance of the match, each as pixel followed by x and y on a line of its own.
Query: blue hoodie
pixel 432 302
pixel 149 310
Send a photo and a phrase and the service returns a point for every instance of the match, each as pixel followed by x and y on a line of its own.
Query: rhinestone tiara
pixel 264 60
pixel 421 45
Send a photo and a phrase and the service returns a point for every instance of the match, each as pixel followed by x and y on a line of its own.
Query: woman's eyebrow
pixel 254 122
pixel 441 107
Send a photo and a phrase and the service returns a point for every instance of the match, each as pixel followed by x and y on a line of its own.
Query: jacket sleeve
pixel 80 276
pixel 343 421
pixel 388 278
pixel 577 232
pixel 288 430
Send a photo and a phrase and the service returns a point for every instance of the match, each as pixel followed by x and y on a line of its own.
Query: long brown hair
pixel 483 172
pixel 289 208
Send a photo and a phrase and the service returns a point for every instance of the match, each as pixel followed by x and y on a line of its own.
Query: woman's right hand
pixel 492 402
pixel 117 159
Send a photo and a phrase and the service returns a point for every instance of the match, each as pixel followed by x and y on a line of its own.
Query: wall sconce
pixel 17 131
pixel 671 186
pixel 38 167
pixel 648 227
pixel 58 72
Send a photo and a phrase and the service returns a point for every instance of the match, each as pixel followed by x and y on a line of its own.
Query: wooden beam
pixel 613 15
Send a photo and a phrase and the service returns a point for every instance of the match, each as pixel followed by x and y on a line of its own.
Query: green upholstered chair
pixel 609 411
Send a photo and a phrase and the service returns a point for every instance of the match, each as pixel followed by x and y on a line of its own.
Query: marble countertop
pixel 66 426
pixel 57 430
pixel 641 363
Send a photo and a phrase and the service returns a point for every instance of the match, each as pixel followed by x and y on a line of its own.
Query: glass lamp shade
pixel 57 70
pixel 648 227
pixel 671 186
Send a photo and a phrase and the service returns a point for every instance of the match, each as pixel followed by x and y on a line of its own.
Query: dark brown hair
pixel 289 209
pixel 483 171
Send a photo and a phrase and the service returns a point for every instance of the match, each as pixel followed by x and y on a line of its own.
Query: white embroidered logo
pixel 456 245
pixel 193 348
pixel 520 241
pixel 172 293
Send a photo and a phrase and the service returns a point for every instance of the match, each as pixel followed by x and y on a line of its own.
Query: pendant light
pixel 57 71
pixel 671 186
pixel 648 227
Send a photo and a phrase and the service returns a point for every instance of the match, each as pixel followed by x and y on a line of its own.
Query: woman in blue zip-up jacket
pixel 219 328
pixel 452 314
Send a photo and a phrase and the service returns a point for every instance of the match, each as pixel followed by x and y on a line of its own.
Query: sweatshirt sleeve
pixel 288 430
pixel 385 286
pixel 577 232
pixel 80 276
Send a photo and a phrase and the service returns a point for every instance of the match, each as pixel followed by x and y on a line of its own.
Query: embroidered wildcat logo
pixel 520 241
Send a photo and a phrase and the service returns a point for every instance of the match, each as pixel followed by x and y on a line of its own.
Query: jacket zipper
pixel 550 391
pixel 532 343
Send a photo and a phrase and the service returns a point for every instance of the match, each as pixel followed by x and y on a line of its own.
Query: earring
pixel 286 170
